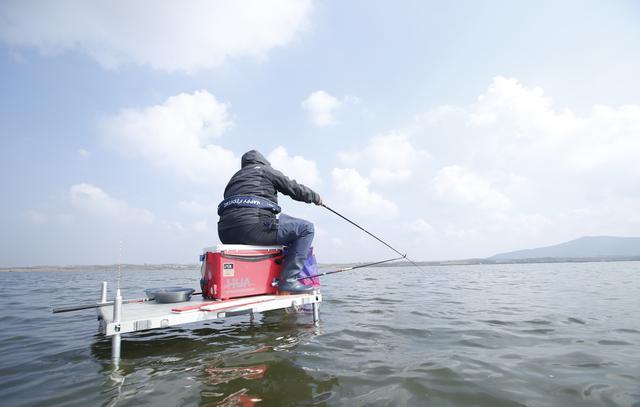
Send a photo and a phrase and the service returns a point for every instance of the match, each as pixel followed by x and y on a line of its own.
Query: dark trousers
pixel 297 235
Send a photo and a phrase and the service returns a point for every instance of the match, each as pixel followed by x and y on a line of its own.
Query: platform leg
pixel 116 339
pixel 103 295
pixel 316 313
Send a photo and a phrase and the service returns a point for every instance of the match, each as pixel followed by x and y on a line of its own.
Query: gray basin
pixel 169 294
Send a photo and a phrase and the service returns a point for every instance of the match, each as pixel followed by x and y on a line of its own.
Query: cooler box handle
pixel 259 257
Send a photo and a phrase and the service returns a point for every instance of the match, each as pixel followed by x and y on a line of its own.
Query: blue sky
pixel 451 129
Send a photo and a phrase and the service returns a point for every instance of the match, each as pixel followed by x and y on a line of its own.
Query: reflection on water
pixel 218 375
pixel 508 335
pixel 274 382
pixel 237 363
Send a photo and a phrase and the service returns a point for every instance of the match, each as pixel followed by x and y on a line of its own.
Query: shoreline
pixel 196 266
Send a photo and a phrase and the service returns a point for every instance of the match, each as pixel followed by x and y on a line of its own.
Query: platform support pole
pixel 316 313
pixel 103 295
pixel 116 339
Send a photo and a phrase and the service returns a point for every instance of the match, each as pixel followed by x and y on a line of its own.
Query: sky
pixel 451 130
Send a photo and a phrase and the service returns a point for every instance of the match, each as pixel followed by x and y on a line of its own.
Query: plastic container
pixel 232 271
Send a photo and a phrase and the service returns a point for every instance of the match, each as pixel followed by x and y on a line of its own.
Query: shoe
pixel 294 286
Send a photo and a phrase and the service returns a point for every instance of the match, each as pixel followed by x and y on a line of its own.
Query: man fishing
pixel 248 215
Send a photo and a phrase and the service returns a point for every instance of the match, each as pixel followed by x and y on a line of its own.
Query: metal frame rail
pixel 119 318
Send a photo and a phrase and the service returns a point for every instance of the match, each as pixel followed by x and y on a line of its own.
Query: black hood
pixel 253 157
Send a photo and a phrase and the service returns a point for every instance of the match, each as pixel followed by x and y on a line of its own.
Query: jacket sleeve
pixel 291 188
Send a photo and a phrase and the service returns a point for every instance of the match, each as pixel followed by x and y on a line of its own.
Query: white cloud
pixel 336 241
pixel 351 99
pixel 198 207
pixel 421 226
pixel 94 201
pixel 463 186
pixel 523 126
pixel 610 137
pixel 296 167
pixel 200 226
pixel 84 153
pixel 164 35
pixel 390 156
pixel 419 234
pixel 35 217
pixel 452 231
pixel 439 115
pixel 529 169
pixel 321 107
pixel 394 157
pixel 507 101
pixel 352 191
pixel 176 136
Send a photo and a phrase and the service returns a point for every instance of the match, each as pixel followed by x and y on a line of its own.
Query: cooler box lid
pixel 238 248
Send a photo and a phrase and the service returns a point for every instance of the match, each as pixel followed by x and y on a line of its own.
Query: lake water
pixel 498 335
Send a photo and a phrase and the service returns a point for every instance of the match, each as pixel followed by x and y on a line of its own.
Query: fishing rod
pixel 108 303
pixel 352 268
pixel 404 256
pixel 101 304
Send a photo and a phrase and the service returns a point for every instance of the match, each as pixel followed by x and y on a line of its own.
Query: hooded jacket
pixel 258 178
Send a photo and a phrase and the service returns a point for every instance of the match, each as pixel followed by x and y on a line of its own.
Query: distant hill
pixel 584 247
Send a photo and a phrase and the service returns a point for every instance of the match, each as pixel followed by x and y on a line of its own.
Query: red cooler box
pixel 231 271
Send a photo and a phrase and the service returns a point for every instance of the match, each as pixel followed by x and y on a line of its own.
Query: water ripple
pixel 507 335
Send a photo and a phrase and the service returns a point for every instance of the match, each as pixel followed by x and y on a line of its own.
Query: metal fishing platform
pixel 120 317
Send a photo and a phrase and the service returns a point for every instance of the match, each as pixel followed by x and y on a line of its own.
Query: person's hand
pixel 320 201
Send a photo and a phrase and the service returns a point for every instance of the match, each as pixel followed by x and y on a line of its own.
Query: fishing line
pixel 404 256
